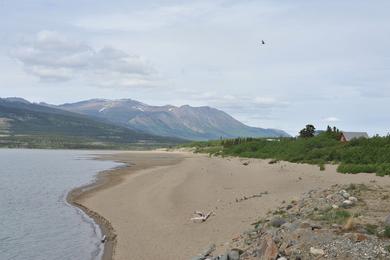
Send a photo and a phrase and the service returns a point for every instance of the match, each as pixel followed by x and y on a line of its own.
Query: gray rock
pixel 206 253
pixel 345 194
pixel 277 222
pixel 233 255
pixel 353 199
pixel 223 257
pixel 347 204
pixel 387 220
pixel 289 226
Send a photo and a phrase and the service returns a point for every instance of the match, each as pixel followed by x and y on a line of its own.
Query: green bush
pixel 386 233
pixel 357 168
pixel 371 229
pixel 360 155
pixel 332 216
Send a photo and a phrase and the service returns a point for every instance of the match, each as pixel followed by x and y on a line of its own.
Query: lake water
pixel 36 222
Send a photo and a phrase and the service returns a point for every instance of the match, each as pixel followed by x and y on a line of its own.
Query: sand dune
pixel 150 209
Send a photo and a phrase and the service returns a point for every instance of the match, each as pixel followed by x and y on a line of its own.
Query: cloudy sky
pixel 324 62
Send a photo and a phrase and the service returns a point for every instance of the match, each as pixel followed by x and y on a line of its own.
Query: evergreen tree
pixel 308 131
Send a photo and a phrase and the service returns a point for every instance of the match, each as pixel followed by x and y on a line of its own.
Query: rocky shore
pixel 342 222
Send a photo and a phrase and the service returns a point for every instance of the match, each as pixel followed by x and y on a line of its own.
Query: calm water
pixel 35 220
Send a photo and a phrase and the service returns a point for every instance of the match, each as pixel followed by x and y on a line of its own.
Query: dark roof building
pixel 348 136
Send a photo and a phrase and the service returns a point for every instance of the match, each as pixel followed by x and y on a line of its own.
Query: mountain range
pixel 102 123
pixel 186 122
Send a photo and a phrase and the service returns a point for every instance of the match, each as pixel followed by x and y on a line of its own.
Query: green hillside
pixel 23 124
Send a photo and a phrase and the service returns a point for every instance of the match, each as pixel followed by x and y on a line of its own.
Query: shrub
pixel 371 229
pixel 356 168
pixel 330 215
pixel 386 233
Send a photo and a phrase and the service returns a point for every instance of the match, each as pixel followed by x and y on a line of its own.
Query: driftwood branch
pixel 201 216
pixel 252 196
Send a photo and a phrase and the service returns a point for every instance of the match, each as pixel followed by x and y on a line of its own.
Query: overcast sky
pixel 324 62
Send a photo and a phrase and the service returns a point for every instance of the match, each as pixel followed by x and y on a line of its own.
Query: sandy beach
pixel 149 204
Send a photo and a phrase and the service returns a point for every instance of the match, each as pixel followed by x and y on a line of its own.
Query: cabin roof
pixel 353 135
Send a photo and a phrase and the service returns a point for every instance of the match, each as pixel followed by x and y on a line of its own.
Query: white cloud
pixel 241 103
pixel 268 101
pixel 147 19
pixel 52 56
pixel 332 119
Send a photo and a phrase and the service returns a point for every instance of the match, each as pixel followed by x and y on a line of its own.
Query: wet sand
pixel 149 204
pixel 132 161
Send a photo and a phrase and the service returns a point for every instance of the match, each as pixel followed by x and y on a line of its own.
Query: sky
pixel 323 62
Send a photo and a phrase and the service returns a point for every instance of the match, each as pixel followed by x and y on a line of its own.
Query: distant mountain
pixel 24 124
pixel 193 123
pixel 17 99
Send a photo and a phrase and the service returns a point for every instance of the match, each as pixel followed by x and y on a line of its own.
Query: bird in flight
pixel 262 42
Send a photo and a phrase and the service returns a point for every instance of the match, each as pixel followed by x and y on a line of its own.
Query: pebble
pixel 346 195
pixel 353 199
pixel 316 251
pixel 347 203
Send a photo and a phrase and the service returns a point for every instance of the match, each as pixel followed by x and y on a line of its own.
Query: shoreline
pixel 104 180
pixel 105 226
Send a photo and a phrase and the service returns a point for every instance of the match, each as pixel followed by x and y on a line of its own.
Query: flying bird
pixel 262 42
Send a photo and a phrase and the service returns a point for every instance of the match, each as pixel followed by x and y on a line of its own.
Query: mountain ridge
pixel 187 122
pixel 26 124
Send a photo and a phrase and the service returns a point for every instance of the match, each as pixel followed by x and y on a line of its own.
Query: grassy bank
pixel 360 155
